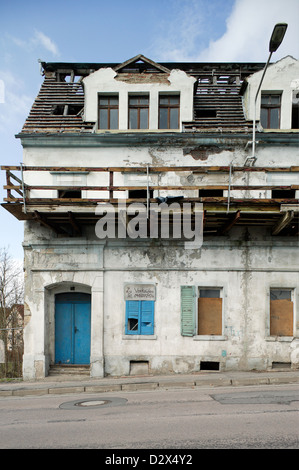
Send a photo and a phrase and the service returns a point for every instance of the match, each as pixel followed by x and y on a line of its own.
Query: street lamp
pixel 275 41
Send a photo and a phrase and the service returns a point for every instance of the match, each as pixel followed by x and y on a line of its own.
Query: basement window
pixel 209 365
pixel 281 312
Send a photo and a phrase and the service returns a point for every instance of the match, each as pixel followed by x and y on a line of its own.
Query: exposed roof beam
pixel 230 223
pixel 283 222
pixel 145 60
pixel 74 223
pixel 43 221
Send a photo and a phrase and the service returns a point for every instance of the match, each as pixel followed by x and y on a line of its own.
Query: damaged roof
pixel 59 106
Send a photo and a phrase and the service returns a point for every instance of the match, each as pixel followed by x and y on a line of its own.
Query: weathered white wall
pixel 169 156
pixel 283 77
pixel 104 81
pixel 245 270
pixel 245 264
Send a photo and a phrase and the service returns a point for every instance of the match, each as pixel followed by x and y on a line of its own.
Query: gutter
pixel 172 139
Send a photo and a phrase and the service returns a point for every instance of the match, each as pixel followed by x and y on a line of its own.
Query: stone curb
pixel 152 385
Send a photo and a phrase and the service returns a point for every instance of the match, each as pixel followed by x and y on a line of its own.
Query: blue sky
pixel 114 31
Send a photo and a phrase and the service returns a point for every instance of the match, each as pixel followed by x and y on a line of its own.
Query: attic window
pixel 169 111
pixel 67 109
pixel 205 113
pixel 108 111
pixel 270 110
pixel 138 112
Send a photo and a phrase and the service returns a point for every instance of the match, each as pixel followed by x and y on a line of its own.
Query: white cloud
pixel 46 42
pixel 16 104
pixel 249 29
pixel 38 40
pixel 179 33
pixel 244 37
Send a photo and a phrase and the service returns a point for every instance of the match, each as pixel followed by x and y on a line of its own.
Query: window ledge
pixel 286 339
pixel 209 338
pixel 139 337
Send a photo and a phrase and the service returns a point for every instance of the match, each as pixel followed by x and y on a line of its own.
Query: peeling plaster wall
pixel 156 156
pixel 244 265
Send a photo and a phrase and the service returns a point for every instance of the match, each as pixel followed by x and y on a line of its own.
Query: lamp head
pixel 277 36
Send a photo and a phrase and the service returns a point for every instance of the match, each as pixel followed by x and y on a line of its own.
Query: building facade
pixel 155 239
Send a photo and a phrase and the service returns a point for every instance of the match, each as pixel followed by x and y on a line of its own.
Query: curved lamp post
pixel 275 41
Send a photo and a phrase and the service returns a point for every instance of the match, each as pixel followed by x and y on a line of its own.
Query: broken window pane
pixel 132 324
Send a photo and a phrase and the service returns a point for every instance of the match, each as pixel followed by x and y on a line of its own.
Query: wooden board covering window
pixel 209 316
pixel 281 317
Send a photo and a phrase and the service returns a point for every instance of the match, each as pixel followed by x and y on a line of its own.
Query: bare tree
pixel 11 293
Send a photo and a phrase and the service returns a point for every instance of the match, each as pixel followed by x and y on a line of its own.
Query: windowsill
pixel 280 130
pixel 209 338
pixel 139 337
pixel 131 131
pixel 286 339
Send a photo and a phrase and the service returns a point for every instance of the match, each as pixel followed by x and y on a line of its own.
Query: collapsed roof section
pixel 217 104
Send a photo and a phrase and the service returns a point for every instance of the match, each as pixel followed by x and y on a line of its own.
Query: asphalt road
pixel 263 417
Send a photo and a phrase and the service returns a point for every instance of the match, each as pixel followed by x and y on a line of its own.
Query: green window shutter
pixel 188 295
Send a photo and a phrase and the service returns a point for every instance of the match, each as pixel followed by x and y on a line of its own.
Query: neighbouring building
pixel 122 165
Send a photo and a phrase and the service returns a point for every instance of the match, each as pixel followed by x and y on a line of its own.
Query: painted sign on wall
pixel 140 292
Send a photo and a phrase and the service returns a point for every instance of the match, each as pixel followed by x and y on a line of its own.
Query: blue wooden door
pixel 72 328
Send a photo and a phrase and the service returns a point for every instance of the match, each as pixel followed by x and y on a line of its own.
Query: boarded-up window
pixel 209 312
pixel 281 312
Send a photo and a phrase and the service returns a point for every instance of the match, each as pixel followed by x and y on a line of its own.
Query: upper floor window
pixel 270 111
pixel 295 110
pixel 108 111
pixel 138 112
pixel 169 111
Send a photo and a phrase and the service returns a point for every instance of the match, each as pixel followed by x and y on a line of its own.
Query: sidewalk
pixel 62 384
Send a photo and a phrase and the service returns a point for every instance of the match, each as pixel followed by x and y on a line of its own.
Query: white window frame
pixel 222 290
pixel 295 300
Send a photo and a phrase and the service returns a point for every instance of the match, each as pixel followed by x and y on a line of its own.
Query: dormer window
pixel 270 111
pixel 138 111
pixel 108 111
pixel 169 111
